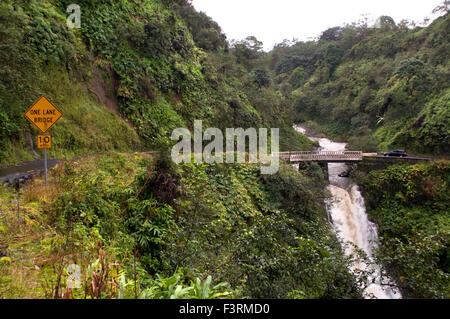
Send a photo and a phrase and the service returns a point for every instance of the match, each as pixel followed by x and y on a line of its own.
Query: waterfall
pixel 350 222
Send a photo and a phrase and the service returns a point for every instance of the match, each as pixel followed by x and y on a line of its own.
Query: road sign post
pixel 43 114
pixel 44 142
pixel 46 167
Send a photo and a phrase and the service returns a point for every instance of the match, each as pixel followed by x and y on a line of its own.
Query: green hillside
pixel 129 76
pixel 140 226
pixel 133 72
pixel 136 70
pixel 377 87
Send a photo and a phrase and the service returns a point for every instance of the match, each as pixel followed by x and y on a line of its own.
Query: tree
pixel 403 25
pixel 170 3
pixel 444 7
pixel 247 50
pixel 410 68
pixel 250 43
pixel 385 22
pixel 333 56
pixel 206 33
pixel 261 77
pixel 332 34
pixel 287 59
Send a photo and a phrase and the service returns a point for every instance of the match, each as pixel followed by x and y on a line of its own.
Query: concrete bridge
pixel 322 156
pixel 343 157
pixel 365 161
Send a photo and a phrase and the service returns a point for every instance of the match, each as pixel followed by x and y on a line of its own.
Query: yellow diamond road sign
pixel 43 114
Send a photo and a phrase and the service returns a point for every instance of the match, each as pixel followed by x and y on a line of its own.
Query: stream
pixel 350 222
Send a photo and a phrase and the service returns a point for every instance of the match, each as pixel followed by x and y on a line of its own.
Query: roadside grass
pixel 37 253
pixel 85 128
pixel 21 230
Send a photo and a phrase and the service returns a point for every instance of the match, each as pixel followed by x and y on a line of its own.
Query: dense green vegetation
pixel 411 205
pixel 133 72
pixel 38 55
pixel 148 228
pixel 87 216
pixel 264 234
pixel 147 67
pixel 377 87
pixel 141 227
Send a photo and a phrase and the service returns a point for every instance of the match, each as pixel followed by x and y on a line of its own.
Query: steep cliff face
pixel 131 73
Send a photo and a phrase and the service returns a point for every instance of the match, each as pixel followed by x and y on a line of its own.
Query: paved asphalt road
pixel 406 157
pixel 37 166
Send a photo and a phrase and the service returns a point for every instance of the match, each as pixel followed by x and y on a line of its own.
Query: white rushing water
pixel 348 214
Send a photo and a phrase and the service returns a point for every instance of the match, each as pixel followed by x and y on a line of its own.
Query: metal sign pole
pixel 45 161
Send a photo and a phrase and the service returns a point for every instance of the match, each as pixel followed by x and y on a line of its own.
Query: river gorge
pixel 347 213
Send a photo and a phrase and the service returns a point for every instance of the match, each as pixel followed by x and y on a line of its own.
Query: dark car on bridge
pixel 400 153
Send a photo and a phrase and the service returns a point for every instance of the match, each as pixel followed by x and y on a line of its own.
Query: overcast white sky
pixel 272 21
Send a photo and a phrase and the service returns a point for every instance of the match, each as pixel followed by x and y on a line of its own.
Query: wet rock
pixel 19 180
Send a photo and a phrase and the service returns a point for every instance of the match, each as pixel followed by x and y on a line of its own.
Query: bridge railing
pixel 321 156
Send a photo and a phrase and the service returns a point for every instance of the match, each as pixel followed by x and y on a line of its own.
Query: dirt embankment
pixel 104 84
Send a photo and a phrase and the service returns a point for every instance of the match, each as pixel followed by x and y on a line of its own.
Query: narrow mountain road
pixel 12 175
pixel 19 174
pixel 24 171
